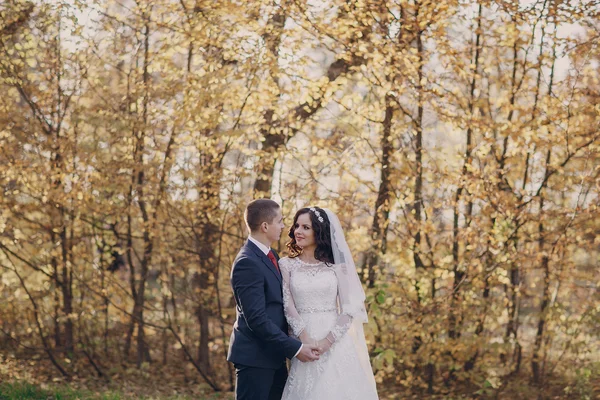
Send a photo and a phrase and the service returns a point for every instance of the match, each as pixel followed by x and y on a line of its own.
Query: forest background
pixel 458 141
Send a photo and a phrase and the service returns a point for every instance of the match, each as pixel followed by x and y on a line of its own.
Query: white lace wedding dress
pixel 313 295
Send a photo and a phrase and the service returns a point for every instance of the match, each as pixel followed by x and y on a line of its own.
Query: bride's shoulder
pixel 286 261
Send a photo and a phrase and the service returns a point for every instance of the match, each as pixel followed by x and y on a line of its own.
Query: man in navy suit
pixel 259 342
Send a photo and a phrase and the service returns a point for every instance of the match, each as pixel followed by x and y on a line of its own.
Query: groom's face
pixel 274 229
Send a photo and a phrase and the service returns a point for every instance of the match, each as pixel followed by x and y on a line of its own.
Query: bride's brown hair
pixel 324 251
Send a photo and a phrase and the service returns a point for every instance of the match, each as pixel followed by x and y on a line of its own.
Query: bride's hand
pixel 305 338
pixel 324 345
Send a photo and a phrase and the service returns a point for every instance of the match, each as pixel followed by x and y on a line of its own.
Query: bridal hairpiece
pixel 317 213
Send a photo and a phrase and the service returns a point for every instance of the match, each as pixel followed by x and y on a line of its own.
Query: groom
pixel 259 342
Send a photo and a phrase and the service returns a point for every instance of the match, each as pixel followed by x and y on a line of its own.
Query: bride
pixel 324 304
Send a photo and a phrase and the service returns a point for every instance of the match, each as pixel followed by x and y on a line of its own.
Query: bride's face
pixel 303 232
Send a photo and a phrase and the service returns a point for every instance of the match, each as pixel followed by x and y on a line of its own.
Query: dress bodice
pixel 313 286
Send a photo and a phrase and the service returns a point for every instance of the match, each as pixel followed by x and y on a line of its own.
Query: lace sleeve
pixel 294 319
pixel 350 300
pixel 344 319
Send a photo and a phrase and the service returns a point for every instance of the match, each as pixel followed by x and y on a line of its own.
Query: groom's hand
pixel 308 353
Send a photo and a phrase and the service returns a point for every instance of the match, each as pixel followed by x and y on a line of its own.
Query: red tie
pixel 273 260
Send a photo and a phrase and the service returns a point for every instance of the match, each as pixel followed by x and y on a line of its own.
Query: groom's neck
pixel 260 237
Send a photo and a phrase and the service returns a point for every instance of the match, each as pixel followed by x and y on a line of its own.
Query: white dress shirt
pixel 266 250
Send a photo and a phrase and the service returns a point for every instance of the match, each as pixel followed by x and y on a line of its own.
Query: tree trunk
pixel 470 364
pixel 459 271
pixel 536 364
pixel 382 205
pixel 143 353
pixel 273 139
pixel 272 132
pixel 419 203
pixel 58 342
pixel 67 292
pixel 207 235
pixel 138 287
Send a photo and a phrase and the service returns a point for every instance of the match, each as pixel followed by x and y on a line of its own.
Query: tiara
pixel 317 213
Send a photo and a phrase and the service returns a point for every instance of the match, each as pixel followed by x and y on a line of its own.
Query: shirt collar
pixel 261 246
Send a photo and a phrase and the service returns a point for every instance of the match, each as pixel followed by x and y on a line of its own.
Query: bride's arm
pixel 295 321
pixel 345 317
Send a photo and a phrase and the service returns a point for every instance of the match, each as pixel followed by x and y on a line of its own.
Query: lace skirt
pixel 343 373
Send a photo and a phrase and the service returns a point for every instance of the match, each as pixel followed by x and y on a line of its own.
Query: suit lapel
pixel 263 257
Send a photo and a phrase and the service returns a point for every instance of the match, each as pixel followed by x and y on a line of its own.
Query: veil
pixel 351 292
pixel 354 302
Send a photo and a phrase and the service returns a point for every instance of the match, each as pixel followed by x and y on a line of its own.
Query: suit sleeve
pixel 249 290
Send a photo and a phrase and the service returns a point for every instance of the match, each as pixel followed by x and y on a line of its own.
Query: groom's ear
pixel 264 226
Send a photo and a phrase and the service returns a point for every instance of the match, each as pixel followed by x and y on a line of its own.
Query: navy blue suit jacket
pixel 259 337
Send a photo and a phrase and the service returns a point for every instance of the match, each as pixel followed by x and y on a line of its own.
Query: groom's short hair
pixel 259 211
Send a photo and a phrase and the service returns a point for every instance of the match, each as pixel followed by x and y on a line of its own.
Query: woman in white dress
pixel 324 304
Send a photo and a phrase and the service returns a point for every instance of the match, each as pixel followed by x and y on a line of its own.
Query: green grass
pixel 20 391
pixel 14 391
pixel 26 391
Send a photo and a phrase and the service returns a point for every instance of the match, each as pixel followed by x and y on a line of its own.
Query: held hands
pixel 324 345
pixel 311 348
pixel 308 353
